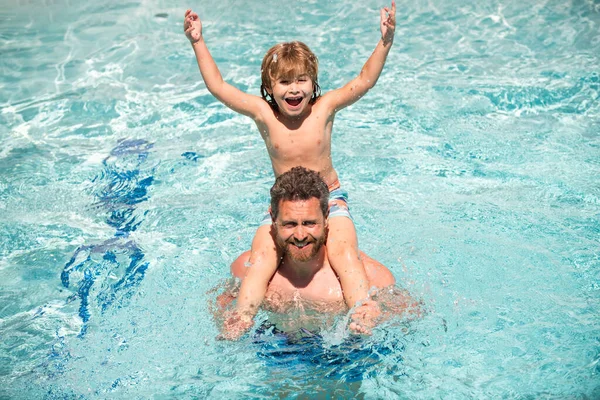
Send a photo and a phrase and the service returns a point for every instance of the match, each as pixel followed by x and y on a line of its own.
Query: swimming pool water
pixel 126 190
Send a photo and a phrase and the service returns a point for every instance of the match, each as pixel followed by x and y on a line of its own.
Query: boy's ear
pixel 269 90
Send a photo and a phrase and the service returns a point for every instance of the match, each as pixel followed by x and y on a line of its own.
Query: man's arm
pixel 232 97
pixel 359 86
pixel 379 275
pixel 394 301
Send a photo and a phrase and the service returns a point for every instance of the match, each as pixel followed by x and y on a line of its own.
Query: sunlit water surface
pixel 126 190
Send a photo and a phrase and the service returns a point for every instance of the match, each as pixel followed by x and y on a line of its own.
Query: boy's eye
pixel 284 82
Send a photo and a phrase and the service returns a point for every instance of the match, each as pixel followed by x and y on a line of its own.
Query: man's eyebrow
pixel 304 221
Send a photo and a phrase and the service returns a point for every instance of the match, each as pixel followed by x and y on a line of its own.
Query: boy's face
pixel 292 95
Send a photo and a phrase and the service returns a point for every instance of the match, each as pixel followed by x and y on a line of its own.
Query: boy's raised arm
pixel 227 94
pixel 359 86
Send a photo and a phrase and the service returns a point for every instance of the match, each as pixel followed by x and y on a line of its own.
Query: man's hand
pixel 235 325
pixel 365 317
pixel 192 26
pixel 388 23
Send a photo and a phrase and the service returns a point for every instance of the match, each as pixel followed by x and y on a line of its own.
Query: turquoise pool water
pixel 126 190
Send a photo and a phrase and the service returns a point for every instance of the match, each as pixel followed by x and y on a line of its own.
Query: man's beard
pixel 296 254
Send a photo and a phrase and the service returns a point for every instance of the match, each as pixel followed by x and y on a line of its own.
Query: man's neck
pixel 299 273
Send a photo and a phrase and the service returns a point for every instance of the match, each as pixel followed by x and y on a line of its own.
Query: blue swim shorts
pixel 305 353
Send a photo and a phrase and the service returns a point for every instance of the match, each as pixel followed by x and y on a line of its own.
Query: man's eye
pixel 310 224
pixel 289 225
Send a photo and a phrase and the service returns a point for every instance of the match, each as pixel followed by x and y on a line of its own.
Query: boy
pixel 295 122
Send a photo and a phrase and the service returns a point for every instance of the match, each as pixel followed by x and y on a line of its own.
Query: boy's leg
pixel 259 270
pixel 344 258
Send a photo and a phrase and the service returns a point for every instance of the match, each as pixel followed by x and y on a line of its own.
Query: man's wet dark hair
pixel 299 183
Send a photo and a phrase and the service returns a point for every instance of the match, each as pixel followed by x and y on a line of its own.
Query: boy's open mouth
pixel 293 101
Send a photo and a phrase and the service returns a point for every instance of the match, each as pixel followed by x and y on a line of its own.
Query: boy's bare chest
pixel 311 136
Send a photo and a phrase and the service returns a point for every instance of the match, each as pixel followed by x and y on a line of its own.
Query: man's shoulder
pixel 377 273
pixel 238 267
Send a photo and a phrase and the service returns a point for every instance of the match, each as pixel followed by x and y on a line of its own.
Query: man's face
pixel 300 228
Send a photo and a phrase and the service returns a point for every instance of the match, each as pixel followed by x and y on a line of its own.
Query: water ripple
pixel 110 271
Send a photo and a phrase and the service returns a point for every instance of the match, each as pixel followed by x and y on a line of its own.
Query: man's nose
pixel 300 233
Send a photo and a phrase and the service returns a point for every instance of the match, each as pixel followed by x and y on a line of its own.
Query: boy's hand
pixel 192 26
pixel 388 23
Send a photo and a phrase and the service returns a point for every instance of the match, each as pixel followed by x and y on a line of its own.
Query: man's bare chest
pixel 323 293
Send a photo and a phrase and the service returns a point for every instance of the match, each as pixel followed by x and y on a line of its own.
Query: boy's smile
pixel 292 95
pixel 294 101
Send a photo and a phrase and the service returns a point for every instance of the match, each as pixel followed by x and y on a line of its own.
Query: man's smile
pixel 301 251
pixel 300 245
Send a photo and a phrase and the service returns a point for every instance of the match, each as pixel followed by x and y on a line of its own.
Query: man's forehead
pixel 310 207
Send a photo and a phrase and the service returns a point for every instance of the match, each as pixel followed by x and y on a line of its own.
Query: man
pixel 299 210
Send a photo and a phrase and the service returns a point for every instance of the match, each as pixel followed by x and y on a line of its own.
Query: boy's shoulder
pixel 325 101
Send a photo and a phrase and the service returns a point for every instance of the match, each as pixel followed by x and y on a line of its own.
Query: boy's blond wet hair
pixel 288 60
